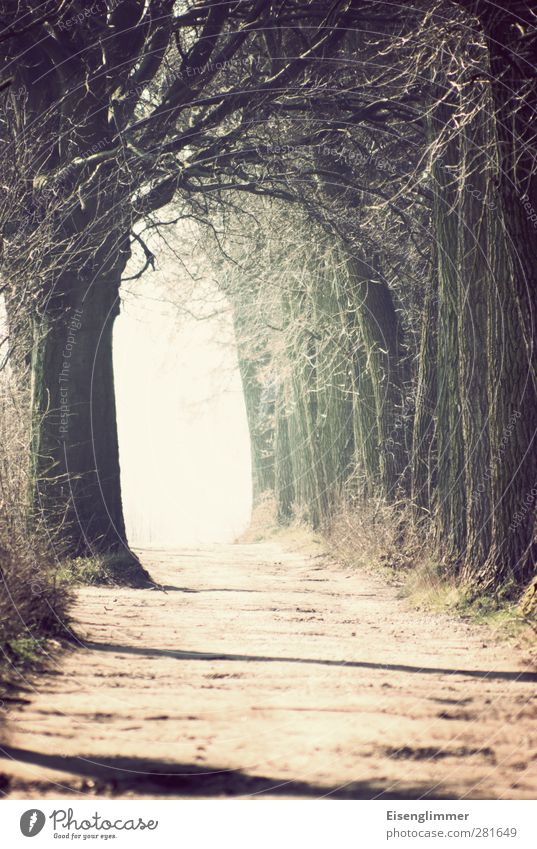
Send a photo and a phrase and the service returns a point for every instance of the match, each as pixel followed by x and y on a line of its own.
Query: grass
pixel 33 606
pixel 115 570
pixel 26 650
pixel 429 587
pixel 84 570
pixel 381 538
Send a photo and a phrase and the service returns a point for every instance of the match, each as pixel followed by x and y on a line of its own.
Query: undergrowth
pixel 103 569
pixel 384 539
pixel 264 527
pixel 33 602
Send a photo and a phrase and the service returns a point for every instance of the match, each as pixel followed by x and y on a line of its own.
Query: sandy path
pixel 266 672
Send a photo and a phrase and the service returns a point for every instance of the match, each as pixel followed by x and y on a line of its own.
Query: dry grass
pixel 33 603
pixel 263 524
pixel 528 603
pixel 264 527
pixel 374 534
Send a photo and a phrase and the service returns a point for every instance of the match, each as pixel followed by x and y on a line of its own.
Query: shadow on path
pixel 177 654
pixel 138 775
pixel 171 589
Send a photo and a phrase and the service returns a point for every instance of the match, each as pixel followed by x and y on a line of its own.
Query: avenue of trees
pixel 365 180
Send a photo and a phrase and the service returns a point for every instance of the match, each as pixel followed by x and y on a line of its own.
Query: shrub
pixel 33 604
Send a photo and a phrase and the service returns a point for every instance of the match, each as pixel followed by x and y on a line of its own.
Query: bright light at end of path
pixel 183 435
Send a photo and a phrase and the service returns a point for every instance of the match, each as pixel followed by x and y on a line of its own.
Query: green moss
pixel 429 587
pixel 26 650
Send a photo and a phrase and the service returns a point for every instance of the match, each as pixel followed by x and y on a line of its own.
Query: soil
pixel 261 672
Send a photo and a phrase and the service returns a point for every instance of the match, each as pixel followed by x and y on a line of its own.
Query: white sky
pixel 183 435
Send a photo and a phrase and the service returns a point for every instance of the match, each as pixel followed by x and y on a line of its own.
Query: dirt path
pixel 266 672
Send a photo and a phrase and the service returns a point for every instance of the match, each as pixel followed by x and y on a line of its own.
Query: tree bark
pixel 75 442
pixel 381 336
pixel 451 493
pixel 476 348
pixel 424 425
pixel 513 385
pixel 283 466
pixel 259 405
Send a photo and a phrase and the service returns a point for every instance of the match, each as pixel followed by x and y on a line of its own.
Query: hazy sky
pixel 184 449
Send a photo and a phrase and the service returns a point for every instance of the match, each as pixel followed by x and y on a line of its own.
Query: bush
pixel 374 533
pixel 33 604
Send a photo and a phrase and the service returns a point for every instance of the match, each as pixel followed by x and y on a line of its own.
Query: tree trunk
pixel 451 493
pixel 475 285
pixel 259 403
pixel 381 337
pixel 333 374
pixel 75 444
pixel 513 416
pixel 308 472
pixel 283 467
pixel 424 426
pixel 513 382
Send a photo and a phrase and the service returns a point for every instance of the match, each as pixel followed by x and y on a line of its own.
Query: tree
pixel 126 105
